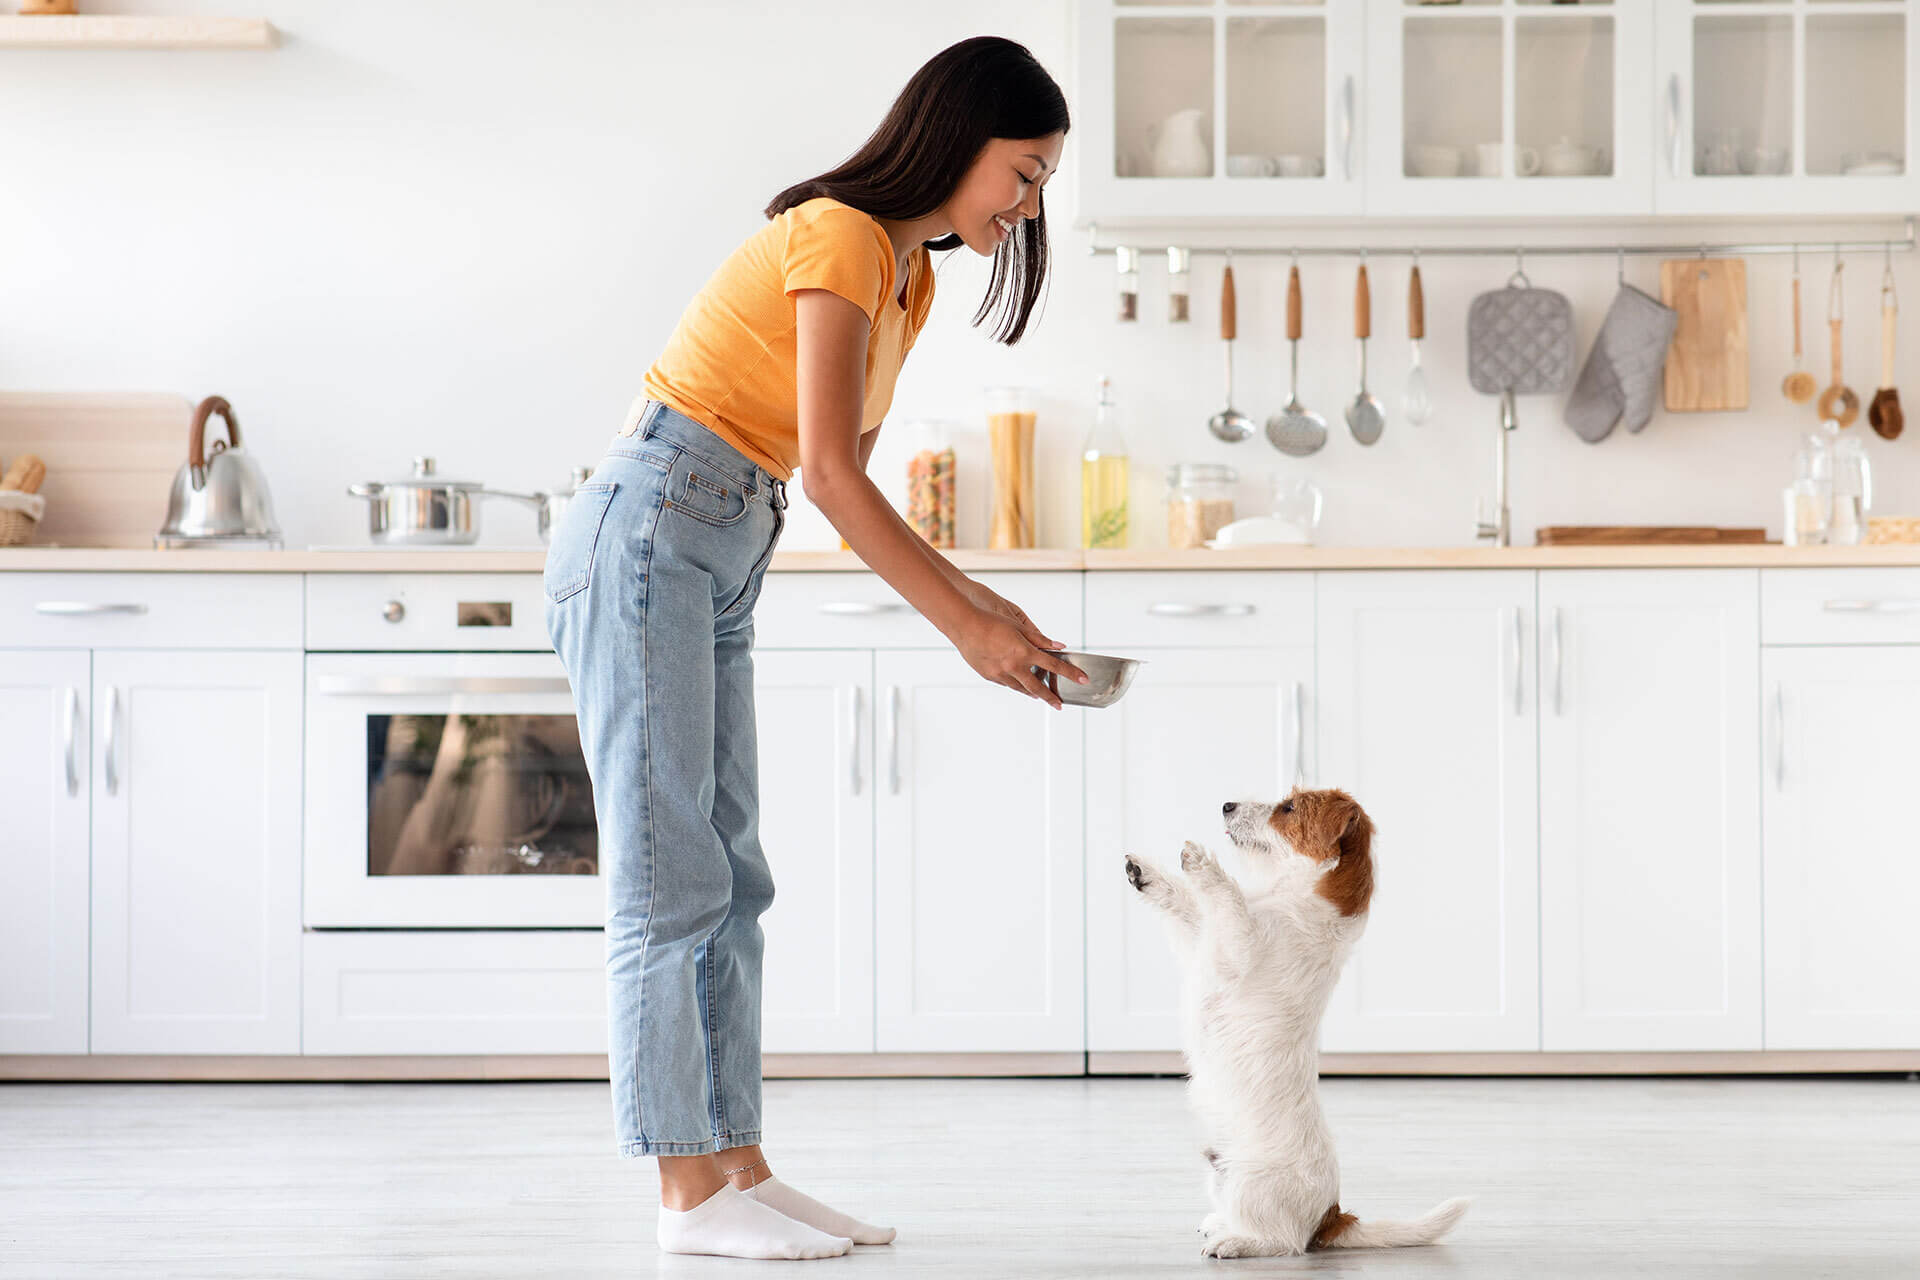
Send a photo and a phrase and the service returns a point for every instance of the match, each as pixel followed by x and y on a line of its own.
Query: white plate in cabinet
pixel 1841 848
pixel 1205 608
pixel 150 610
pixel 505 992
pixel 1840 606
pixel 860 611
pixel 1427 716
pixel 1199 727
pixel 1649 810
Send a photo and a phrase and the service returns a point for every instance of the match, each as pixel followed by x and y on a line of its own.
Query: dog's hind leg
pixel 1253 1207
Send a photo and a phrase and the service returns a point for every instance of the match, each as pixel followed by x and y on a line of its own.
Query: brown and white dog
pixel 1261 962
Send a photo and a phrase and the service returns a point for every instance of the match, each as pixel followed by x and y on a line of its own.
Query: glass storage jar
pixel 1199 502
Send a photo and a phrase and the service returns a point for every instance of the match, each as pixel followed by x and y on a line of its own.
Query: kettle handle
pixel 197 437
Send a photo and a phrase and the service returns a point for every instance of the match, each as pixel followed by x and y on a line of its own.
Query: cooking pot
pixel 427 510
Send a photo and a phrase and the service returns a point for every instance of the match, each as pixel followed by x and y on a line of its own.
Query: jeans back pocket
pixel 570 558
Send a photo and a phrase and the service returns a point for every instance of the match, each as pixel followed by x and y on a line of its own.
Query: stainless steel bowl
pixel 1107 679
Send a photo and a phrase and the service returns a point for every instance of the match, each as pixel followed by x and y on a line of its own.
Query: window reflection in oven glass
pixel 452 795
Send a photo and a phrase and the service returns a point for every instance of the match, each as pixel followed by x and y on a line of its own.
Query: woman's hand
pixel 1002 645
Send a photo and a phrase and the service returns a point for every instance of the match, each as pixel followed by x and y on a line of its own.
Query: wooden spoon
pixel 1797 386
pixel 1837 402
pixel 1884 413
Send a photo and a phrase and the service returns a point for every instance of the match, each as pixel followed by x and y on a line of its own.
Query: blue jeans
pixel 651 581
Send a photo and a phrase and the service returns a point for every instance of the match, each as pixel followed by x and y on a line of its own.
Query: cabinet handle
pixel 1673 125
pixel 1519 688
pixel 893 739
pixel 82 608
pixel 1779 737
pixel 1559 662
pixel 862 608
pixel 1176 609
pixel 1871 606
pixel 1299 732
pixel 853 768
pixel 73 741
pixel 1346 128
pixel 110 718
pixel 431 686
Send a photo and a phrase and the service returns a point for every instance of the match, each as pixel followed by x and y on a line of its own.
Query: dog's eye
pixel 1287 807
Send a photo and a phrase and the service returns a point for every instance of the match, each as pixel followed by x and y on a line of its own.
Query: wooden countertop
pixel 467 560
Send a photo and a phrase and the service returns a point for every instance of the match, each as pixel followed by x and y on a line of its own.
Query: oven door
pixel 447 790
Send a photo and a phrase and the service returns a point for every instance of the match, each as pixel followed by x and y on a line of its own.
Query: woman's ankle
pixel 745 1167
pixel 689 1181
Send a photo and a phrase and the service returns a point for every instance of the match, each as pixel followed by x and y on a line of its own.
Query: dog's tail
pixel 1344 1231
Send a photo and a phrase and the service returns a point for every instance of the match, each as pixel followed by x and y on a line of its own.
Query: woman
pixel 786 359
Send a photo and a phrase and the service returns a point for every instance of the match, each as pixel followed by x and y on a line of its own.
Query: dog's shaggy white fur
pixel 1261 963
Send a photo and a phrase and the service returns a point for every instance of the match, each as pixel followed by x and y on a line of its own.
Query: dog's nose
pixel 1228 808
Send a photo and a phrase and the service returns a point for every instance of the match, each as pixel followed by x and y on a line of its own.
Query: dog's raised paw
pixel 1193 857
pixel 1136 874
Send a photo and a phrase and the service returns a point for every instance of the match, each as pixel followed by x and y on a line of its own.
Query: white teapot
pixel 1180 146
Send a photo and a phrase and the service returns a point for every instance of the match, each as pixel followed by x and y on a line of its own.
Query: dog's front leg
pixel 1166 892
pixel 1223 908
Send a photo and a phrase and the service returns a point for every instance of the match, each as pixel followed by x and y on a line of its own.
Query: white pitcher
pixel 1180 146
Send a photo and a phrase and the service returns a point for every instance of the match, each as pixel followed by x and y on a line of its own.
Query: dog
pixel 1261 962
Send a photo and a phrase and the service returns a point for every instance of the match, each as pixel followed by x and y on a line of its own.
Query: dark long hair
pixel 965 96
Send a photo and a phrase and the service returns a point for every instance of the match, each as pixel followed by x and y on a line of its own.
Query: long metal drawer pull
pixel 853 769
pixel 1299 732
pixel 1180 609
pixel 1346 129
pixel 403 685
pixel 111 718
pixel 893 739
pixel 73 741
pixel 1779 737
pixel 1559 662
pixel 84 608
pixel 1519 665
pixel 1872 606
pixel 863 608
pixel 1673 126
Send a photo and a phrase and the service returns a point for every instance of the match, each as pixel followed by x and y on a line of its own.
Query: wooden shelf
pixel 89 31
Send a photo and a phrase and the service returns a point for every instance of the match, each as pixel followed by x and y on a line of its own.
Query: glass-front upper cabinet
pixel 1785 106
pixel 1508 107
pixel 1218 108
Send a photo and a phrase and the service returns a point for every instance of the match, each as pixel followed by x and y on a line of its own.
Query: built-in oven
pixel 445 783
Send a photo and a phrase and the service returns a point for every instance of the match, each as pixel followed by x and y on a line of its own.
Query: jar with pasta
pixel 930 501
pixel 1010 419
pixel 1199 502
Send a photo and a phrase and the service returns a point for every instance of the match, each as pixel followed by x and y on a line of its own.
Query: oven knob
pixel 394 611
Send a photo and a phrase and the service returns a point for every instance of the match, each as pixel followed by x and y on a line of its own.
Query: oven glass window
pixel 478 795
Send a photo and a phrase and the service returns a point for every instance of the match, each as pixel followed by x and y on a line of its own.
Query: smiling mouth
pixel 1006 228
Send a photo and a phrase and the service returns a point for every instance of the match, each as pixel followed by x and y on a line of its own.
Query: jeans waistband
pixel 659 421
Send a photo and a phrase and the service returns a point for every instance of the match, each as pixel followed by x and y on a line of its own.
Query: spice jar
pixel 1126 261
pixel 930 505
pixel 1179 284
pixel 1199 502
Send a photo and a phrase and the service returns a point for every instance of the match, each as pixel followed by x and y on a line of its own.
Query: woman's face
pixel 1002 188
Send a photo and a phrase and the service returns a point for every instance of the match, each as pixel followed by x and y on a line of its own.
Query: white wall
pixel 465 227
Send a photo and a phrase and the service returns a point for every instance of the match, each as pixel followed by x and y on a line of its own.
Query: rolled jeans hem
pixel 707 1146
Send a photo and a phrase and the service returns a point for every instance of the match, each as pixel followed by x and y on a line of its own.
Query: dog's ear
pixel 1349 886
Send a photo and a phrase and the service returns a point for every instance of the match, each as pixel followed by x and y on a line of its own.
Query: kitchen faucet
pixel 1500 528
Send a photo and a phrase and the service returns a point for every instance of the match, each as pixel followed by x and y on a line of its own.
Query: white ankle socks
pixel 804 1208
pixel 731 1224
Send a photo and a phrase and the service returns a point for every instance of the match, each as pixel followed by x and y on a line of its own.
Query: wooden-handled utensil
pixel 1798 386
pixel 1418 401
pixel 1838 401
pixel 1884 413
pixel 1365 416
pixel 1294 430
pixel 1229 424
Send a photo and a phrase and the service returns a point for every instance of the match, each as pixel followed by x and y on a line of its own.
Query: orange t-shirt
pixel 730 361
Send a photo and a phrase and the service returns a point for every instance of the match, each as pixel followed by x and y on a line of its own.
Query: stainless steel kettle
pixel 220 496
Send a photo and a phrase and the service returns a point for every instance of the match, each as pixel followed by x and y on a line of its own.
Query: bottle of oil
pixel 1103 478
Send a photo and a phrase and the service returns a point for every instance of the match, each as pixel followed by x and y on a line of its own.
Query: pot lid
pixel 425 477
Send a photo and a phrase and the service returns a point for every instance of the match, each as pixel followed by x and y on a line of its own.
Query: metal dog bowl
pixel 1107 678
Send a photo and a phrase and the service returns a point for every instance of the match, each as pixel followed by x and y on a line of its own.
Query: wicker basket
pixel 1887 530
pixel 19 516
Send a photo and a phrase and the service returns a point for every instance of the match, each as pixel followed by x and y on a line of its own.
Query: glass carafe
pixel 1809 499
pixel 1852 493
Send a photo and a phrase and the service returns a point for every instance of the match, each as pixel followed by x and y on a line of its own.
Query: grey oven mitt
pixel 1621 379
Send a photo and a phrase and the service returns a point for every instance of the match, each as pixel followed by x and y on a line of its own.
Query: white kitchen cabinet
pixel 196 852
pixel 1649 810
pixel 1841 850
pixel 1255 108
pixel 44 793
pixel 1509 105
pixel 1198 727
pixel 1427 716
pixel 815 712
pixel 977 865
pixel 1789 106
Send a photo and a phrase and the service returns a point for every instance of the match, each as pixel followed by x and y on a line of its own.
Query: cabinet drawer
pixel 860 611
pixel 1218 607
pixel 427 612
pixel 150 610
pixel 1840 606
pixel 454 992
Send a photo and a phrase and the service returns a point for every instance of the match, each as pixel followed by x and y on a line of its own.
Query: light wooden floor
pixel 1001 1179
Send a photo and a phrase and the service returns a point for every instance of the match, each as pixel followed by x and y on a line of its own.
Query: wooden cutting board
pixel 111 459
pixel 1707 363
pixel 1622 535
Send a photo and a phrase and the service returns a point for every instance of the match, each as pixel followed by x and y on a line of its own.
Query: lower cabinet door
pixel 977 863
pixel 1199 727
pixel 455 991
